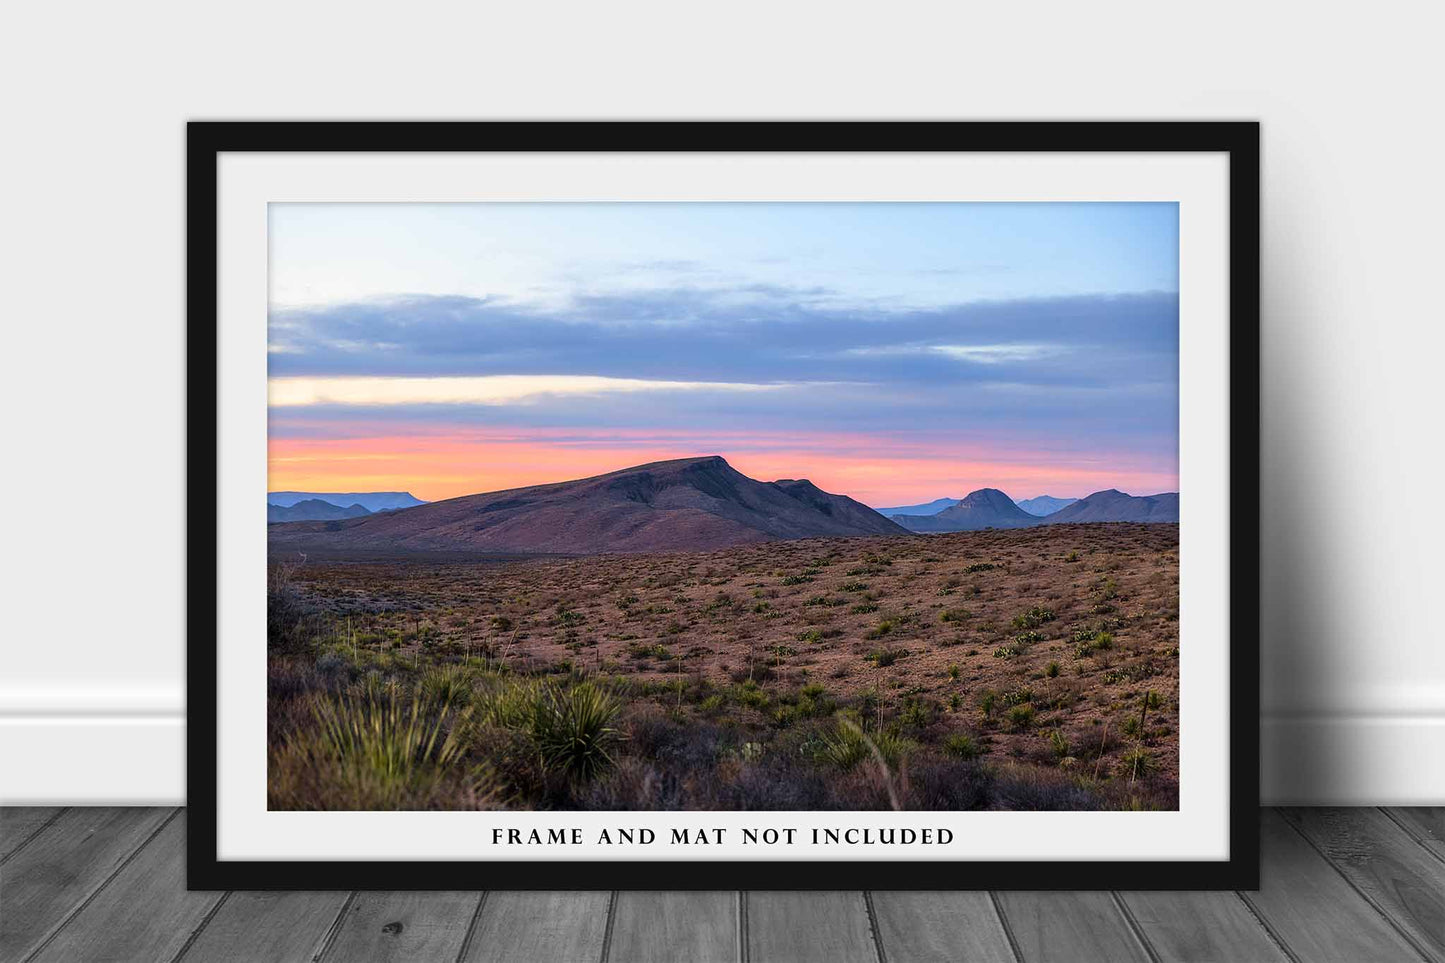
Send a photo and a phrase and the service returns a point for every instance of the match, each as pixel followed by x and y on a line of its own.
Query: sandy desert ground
pixel 1022 669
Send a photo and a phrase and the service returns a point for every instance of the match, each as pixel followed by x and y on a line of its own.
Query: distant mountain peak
pixel 991 508
pixel 1042 505
pixel 371 501
pixel 979 509
pixel 681 504
pixel 926 508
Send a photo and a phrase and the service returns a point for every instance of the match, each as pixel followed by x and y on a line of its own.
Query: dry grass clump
pixel 376 750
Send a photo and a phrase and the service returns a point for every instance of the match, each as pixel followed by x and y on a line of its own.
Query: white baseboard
pixel 139 759
pixel 133 759
pixel 1352 760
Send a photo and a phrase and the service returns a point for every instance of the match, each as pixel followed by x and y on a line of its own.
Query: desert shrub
pixel 1052 670
pixel 1021 716
pixel 962 745
pixel 335 668
pixel 447 684
pixel 855 586
pixel 886 657
pixel 797 579
pixel 1033 618
pixel 751 695
pixel 291 623
pixel 845 746
pixel 977 567
pixel 1034 788
pixel 987 701
pixel 508 704
pixel 865 608
pixel 1058 743
pixel 1137 672
pixel 1090 642
pixel 916 713
pixel 954 671
pixel 884 627
pixel 1131 725
pixel 1021 694
pixel 500 623
pixel 575 729
pixel 953 615
pixel 379 753
pixel 1135 762
pixel 953 785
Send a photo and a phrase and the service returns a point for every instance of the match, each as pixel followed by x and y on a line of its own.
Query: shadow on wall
pixel 1304 564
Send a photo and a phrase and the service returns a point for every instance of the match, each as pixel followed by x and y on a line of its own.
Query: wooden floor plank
pixel 144 913
pixel 267 928
pixel 662 927
pixel 1426 824
pixel 19 823
pixel 926 927
pixel 1079 927
pixel 416 926
pixel 1392 870
pixel 1309 905
pixel 537 927
pixel 809 928
pixel 66 863
pixel 1202 928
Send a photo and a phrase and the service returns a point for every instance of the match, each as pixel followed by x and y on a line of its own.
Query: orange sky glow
pixel 876 471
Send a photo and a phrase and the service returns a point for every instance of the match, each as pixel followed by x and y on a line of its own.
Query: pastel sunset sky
pixel 892 352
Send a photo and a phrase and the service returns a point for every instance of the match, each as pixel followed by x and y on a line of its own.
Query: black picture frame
pixel 206 140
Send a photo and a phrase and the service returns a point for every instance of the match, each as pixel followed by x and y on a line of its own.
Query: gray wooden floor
pixel 1354 885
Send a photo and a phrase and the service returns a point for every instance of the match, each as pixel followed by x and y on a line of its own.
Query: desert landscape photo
pixel 723 507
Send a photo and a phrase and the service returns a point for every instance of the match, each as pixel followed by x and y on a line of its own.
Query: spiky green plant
pixel 375 750
pixel 845 746
pixel 848 745
pixel 962 745
pixel 449 684
pixel 575 728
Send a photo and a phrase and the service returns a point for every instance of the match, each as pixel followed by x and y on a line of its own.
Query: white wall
pixel 91 684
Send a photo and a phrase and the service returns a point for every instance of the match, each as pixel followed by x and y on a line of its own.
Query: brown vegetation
pixel 1025 669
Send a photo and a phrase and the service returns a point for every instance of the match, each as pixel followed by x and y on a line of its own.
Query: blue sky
pixel 883 349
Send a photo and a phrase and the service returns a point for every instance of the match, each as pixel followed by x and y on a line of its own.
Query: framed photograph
pixel 723 505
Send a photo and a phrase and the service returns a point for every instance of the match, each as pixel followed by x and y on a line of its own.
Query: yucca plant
pixel 962 745
pixel 374 750
pixel 391 737
pixel 449 684
pixel 845 746
pixel 512 704
pixel 575 728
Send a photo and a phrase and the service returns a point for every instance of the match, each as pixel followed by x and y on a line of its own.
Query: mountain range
pixel 371 501
pixel 312 509
pixel 991 508
pixel 1044 504
pixel 688 504
pixel 985 508
pixel 1115 506
pixel 1039 505
pixel 930 508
